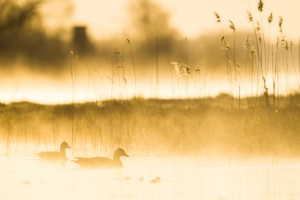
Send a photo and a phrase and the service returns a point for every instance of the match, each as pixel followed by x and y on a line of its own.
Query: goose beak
pixel 126 155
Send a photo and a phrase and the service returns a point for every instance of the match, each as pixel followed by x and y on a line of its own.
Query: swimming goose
pixel 55 155
pixel 102 162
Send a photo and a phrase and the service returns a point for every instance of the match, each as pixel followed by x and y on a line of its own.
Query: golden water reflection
pixel 151 178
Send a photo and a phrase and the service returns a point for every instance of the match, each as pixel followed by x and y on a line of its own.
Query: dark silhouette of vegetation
pixel 23 36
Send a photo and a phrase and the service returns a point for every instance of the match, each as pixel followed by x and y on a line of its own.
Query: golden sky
pixel 191 17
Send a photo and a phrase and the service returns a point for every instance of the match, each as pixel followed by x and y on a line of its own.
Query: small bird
pixel 102 162
pixel 55 155
pixel 155 180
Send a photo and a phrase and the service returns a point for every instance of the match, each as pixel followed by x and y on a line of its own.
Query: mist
pixel 142 54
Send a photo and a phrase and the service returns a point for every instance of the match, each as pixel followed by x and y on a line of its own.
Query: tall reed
pixel 9 134
pixel 156 64
pixel 73 63
pixel 133 65
pixel 227 54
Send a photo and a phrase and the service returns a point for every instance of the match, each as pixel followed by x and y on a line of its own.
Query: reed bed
pixel 153 127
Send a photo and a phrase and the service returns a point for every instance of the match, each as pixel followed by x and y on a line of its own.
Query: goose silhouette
pixel 102 162
pixel 55 155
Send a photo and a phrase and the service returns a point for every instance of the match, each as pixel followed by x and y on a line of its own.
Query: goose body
pixel 55 155
pixel 102 162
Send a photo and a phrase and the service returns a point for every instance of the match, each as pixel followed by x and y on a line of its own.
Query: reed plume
pixel 218 18
pixel 260 6
pixel 280 24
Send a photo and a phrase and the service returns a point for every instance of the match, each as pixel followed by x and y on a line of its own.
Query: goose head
pixel 118 153
pixel 64 146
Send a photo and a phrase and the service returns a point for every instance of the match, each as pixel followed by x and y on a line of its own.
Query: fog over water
pixel 149 57
pixel 180 178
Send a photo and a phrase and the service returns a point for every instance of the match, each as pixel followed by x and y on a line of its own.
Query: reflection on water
pixel 150 178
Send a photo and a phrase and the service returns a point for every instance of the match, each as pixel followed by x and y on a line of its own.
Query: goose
pixel 55 155
pixel 102 162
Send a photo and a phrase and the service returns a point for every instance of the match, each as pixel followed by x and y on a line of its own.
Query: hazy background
pixel 118 47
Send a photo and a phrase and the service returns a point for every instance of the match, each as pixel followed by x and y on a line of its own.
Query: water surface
pixel 151 178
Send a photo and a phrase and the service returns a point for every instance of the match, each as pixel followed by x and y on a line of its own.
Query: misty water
pixel 152 178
